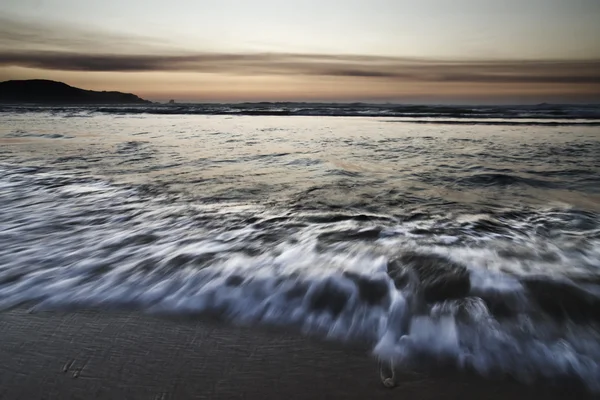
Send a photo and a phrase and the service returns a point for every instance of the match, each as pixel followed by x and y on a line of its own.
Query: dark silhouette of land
pixel 40 91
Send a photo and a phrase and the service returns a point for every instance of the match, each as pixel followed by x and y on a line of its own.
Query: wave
pixel 550 115
pixel 465 121
pixel 512 292
pixel 498 179
pixel 23 134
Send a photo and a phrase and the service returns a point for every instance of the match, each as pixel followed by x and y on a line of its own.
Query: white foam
pixel 157 257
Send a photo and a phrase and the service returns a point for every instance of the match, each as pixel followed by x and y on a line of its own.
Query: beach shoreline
pixel 129 355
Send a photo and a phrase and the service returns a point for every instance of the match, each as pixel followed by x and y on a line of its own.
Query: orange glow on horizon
pixel 190 87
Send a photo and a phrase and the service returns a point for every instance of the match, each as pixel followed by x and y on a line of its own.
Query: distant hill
pixel 40 91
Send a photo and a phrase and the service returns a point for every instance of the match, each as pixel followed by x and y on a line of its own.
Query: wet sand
pixel 126 355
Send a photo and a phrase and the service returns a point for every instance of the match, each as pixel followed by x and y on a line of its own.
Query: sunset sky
pixel 427 51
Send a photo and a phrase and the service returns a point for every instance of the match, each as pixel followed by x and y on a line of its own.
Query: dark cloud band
pixel 570 72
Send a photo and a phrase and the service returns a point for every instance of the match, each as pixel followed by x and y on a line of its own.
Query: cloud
pixel 17 33
pixel 50 46
pixel 365 67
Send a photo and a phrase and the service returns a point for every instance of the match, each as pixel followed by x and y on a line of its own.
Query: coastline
pixel 128 355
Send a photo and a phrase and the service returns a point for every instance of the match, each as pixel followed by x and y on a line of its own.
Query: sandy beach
pixel 126 355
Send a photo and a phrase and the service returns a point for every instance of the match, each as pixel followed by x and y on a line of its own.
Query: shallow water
pixel 478 244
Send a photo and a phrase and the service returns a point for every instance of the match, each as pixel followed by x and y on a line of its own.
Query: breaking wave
pixel 535 115
pixel 505 292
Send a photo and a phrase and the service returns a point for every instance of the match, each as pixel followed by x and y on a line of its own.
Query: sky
pixel 426 51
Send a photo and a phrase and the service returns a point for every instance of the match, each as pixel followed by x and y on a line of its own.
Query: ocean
pixel 468 235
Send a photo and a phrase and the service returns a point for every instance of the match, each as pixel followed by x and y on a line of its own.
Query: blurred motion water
pixel 468 236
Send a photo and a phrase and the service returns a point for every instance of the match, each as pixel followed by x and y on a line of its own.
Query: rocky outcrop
pixel 436 277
